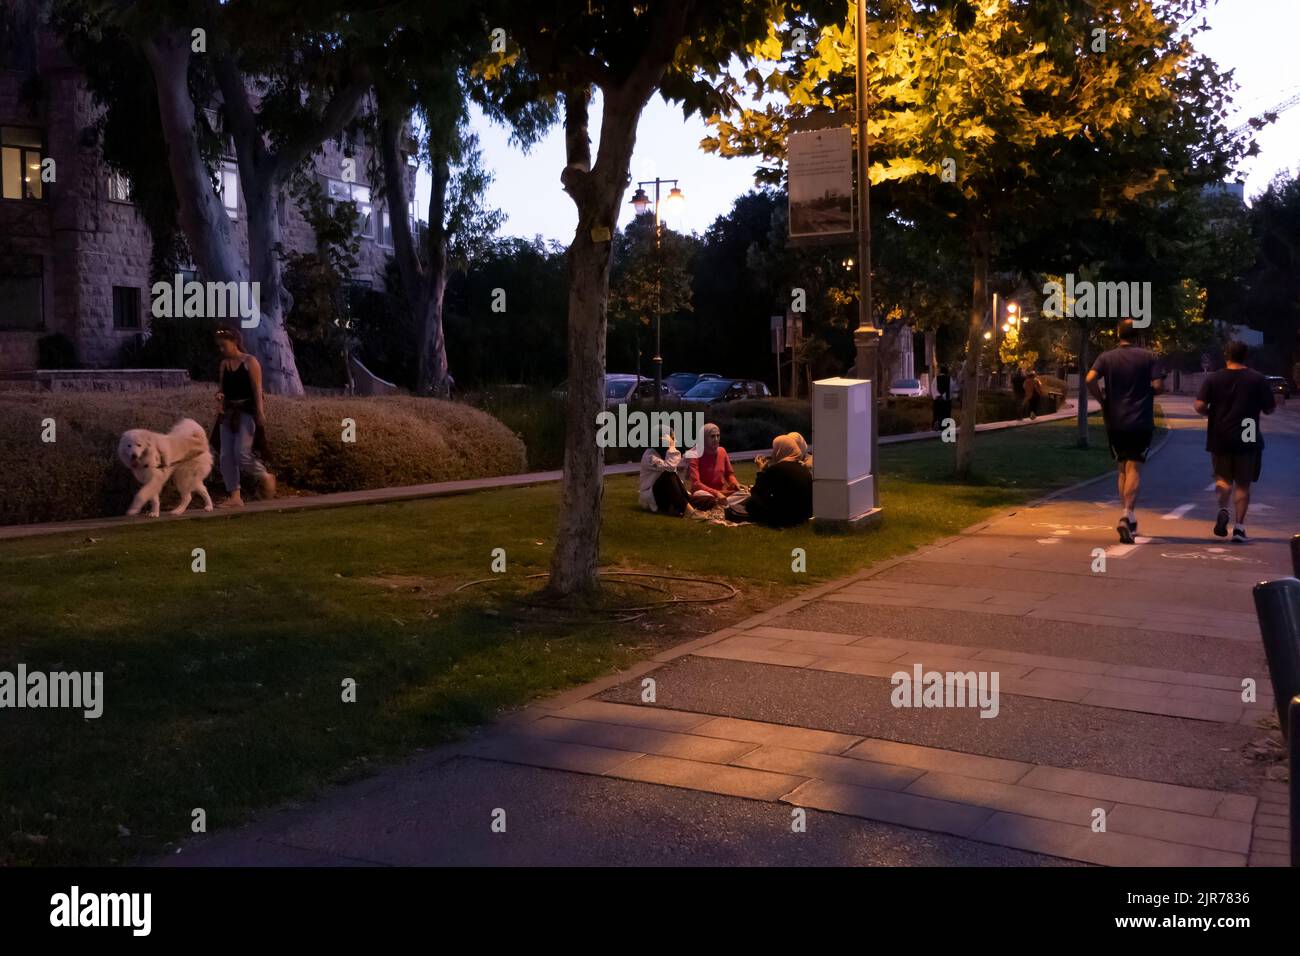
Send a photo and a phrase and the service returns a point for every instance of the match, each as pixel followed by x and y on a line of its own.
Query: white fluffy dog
pixel 155 458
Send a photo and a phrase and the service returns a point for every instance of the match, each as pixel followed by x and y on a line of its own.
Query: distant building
pixel 74 253
pixel 1235 190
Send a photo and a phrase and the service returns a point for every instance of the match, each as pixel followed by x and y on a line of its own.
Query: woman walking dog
pixel 241 422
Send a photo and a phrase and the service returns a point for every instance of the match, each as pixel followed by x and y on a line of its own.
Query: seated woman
pixel 782 495
pixel 711 476
pixel 804 457
pixel 659 486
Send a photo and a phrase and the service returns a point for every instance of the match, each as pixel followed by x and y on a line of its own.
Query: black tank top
pixel 236 385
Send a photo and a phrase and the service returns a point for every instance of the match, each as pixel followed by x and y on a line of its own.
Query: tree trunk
pixel 432 377
pixel 200 211
pixel 206 225
pixel 432 367
pixel 424 280
pixel 974 344
pixel 596 193
pixel 270 337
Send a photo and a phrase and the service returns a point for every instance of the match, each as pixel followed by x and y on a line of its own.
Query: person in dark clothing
pixel 241 422
pixel 1018 390
pixel 1031 391
pixel 1233 399
pixel 942 407
pixel 1133 377
pixel 782 493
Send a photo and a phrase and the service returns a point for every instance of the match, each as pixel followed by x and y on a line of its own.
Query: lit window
pixel 230 190
pixel 119 187
pixel 341 191
pixel 20 163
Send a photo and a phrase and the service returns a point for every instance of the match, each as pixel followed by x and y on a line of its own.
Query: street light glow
pixel 674 203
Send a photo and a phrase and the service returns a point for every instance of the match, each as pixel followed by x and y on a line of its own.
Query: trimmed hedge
pixel 400 440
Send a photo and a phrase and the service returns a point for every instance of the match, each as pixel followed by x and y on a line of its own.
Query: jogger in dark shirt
pixel 1133 377
pixel 1233 399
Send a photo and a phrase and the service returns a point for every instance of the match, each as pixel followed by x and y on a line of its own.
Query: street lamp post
pixel 641 202
pixel 866 337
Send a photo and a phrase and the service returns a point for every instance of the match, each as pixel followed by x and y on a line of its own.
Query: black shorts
pixel 1130 444
pixel 1240 468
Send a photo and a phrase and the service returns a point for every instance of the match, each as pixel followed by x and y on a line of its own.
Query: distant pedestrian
pixel 1133 377
pixel 941 409
pixel 1018 390
pixel 1033 393
pixel 1233 399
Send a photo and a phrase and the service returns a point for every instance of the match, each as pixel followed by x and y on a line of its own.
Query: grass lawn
pixel 222 690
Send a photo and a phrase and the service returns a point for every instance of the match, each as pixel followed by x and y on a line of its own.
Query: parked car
pixel 682 382
pixel 713 390
pixel 621 389
pixel 907 387
pixel 1280 386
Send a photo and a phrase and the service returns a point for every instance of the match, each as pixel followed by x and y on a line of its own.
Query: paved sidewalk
pixel 343 499
pixel 1120 703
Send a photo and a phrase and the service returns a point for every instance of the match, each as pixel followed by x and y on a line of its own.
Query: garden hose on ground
pixel 621 613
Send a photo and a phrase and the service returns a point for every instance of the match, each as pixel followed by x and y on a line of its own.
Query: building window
pixel 126 308
pixel 230 189
pixel 20 291
pixel 20 163
pixel 119 187
pixel 341 191
pixel 386 227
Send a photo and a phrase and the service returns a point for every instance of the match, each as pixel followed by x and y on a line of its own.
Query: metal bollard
pixel 1295 784
pixel 1277 605
pixel 1295 555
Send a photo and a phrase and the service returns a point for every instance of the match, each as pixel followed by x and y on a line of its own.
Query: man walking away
pixel 1033 390
pixel 1133 377
pixel 1232 399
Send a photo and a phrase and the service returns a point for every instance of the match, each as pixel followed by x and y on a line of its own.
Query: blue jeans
pixel 237 452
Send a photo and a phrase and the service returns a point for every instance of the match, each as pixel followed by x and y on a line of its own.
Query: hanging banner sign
pixel 820 164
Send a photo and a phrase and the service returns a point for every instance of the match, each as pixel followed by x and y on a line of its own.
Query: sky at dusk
pixel 1256 38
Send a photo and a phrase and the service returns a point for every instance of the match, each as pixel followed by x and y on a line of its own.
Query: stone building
pixel 74 252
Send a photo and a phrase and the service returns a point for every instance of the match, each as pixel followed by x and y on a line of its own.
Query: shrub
pixel 400 441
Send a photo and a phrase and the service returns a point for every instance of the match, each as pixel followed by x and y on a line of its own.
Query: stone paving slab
pixel 990 799
pixel 1100 589
pixel 1182 695
pixel 1028 729
pixel 979 631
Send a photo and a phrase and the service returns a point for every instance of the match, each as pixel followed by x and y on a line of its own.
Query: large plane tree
pixel 280 78
pixel 611 57
pixel 1007 116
